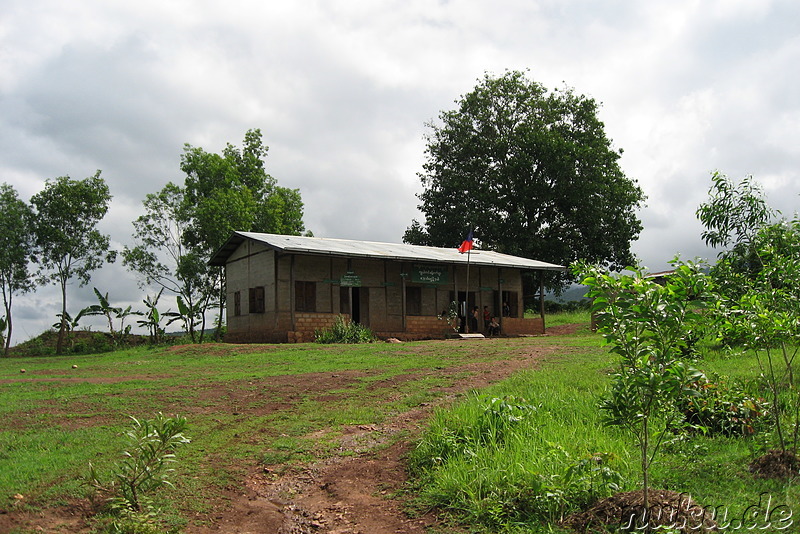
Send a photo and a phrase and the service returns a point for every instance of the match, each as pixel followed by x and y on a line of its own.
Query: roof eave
pixel 237 238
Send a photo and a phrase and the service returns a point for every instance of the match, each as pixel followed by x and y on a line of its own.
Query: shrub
pixel 144 467
pixel 722 408
pixel 344 330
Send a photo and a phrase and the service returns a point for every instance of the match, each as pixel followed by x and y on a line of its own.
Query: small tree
pixel 766 318
pixel 161 255
pixel 16 244
pixel 758 278
pixel 732 216
pixel 647 325
pixel 68 243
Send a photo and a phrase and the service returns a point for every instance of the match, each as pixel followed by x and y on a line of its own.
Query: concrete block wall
pixel 259 336
pixel 252 265
pixel 512 326
pixel 306 324
pixel 426 325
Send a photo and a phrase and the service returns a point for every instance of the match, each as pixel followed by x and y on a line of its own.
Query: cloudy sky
pixel 342 91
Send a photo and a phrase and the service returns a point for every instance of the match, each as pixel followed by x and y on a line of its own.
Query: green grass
pixel 497 466
pixel 487 467
pixel 56 418
pixel 518 482
pixel 572 317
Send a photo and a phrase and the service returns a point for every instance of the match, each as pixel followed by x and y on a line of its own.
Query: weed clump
pixel 719 407
pixel 344 330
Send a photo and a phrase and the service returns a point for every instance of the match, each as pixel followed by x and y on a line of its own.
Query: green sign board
pixel 350 279
pixel 430 274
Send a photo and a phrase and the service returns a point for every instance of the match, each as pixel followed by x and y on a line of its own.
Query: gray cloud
pixel 342 92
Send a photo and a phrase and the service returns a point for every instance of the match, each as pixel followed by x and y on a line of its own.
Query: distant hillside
pixel 574 293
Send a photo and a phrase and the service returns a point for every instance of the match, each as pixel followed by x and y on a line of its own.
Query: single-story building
pixel 282 288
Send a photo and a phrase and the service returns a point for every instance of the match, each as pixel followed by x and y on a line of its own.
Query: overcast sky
pixel 342 91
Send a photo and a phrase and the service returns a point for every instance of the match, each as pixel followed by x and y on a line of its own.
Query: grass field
pixel 286 407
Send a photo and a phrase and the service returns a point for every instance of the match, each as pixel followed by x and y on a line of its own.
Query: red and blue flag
pixel 467 244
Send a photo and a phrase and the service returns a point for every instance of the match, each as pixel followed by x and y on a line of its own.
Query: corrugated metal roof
pixel 375 250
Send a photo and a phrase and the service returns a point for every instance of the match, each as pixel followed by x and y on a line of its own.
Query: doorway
pixel 466 301
pixel 360 305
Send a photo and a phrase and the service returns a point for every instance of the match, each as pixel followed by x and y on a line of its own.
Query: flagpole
pixel 466 296
pixel 466 246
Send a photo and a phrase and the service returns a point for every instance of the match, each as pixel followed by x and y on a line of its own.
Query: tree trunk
pixel 9 326
pixel 203 322
pixel 775 390
pixel 645 476
pixel 60 342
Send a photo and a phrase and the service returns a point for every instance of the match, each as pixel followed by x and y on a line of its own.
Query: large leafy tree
pixel 16 243
pixel 68 243
pixel 184 225
pixel 232 191
pixel 532 172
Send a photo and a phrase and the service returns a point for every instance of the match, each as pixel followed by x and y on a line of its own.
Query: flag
pixel 467 244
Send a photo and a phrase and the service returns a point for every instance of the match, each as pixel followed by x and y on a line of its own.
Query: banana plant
pixel 70 324
pixel 111 313
pixel 152 320
pixel 187 314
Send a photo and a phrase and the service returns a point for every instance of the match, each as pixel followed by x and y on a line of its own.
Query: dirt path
pixel 354 492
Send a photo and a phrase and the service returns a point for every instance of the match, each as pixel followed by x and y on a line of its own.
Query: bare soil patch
pixel 776 464
pixel 626 510
pixel 356 491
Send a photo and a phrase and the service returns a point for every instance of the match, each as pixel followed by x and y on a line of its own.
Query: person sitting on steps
pixel 494 327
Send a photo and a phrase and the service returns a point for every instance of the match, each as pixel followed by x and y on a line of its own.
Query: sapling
pixel 766 318
pixel 145 463
pixel 647 324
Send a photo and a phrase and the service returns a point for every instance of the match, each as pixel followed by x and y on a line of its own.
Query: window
pixel 413 300
pixel 305 296
pixel 237 303
pixel 257 299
